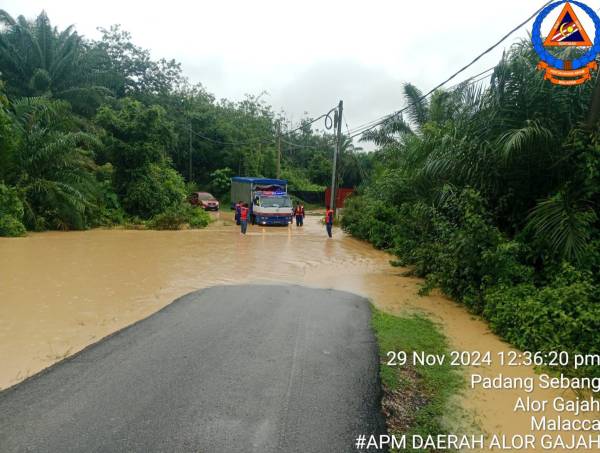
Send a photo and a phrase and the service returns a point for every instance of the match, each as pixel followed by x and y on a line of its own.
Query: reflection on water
pixel 62 291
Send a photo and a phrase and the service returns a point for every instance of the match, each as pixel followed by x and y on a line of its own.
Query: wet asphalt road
pixel 229 369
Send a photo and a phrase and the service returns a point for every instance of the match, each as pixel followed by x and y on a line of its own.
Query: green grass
pixel 423 392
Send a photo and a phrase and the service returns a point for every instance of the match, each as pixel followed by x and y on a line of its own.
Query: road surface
pixel 228 369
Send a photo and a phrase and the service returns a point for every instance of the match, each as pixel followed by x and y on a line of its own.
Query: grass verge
pixel 416 399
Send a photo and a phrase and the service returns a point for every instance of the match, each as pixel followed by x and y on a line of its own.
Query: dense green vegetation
pixel 492 194
pixel 417 399
pixel 96 132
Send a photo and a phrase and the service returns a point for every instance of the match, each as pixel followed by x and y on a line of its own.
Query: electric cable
pixel 370 123
pixel 218 142
pixel 476 59
pixel 465 83
pixel 295 145
pixel 327 117
pixel 373 124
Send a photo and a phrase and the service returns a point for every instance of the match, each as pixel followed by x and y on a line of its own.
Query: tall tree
pixel 37 59
pixel 132 69
pixel 52 165
pixel 138 138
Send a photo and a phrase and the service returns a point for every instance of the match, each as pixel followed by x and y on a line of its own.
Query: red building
pixel 340 196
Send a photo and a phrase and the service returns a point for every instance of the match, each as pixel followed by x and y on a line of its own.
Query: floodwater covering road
pixel 60 292
pixel 262 369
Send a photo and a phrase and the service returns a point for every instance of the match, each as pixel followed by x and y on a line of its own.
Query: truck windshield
pixel 276 202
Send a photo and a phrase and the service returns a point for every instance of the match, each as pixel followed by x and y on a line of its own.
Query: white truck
pixel 267 198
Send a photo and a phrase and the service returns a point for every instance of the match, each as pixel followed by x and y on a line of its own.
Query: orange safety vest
pixel 329 216
pixel 244 213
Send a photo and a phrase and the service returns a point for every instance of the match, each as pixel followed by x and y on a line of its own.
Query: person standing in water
pixel 244 217
pixel 298 214
pixel 301 214
pixel 329 221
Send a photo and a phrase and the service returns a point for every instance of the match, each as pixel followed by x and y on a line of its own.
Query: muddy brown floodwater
pixel 60 292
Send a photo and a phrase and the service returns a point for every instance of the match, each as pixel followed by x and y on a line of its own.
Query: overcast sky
pixel 307 54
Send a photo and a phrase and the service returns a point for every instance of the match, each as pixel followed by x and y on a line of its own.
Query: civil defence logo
pixel 567 31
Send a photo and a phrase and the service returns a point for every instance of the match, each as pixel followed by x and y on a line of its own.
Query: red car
pixel 204 200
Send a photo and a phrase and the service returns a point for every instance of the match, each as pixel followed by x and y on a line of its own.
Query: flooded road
pixel 60 292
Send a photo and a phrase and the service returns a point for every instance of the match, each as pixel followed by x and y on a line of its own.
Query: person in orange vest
pixel 329 221
pixel 244 211
pixel 298 212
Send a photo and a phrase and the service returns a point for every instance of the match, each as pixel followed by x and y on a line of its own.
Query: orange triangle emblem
pixel 568 31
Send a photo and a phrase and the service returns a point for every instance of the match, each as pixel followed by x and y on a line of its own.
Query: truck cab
pixel 267 198
pixel 271 208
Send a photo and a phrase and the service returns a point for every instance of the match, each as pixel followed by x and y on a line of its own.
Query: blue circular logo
pixel 546 56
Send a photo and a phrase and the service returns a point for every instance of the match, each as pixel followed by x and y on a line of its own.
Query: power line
pixel 260 141
pixel 219 142
pixel 369 126
pixel 302 126
pixel 347 127
pixel 373 124
pixel 453 87
pixel 295 145
pixel 480 79
pixel 477 58
pixel 504 38
pixel 483 73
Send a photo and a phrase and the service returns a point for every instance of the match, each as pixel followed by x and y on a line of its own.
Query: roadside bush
pixel 355 220
pixel 110 210
pixel 197 217
pixel 171 219
pixel 106 209
pixel 179 216
pixel 10 204
pixel 563 316
pixel 370 220
pixel 473 254
pixel 11 213
pixel 220 181
pixel 154 189
pixel 417 242
pixel 11 227
pixel 455 246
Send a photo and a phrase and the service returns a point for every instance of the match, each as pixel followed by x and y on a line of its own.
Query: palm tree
pixel 511 140
pixel 37 59
pixel 565 221
pixel 53 169
pixel 394 130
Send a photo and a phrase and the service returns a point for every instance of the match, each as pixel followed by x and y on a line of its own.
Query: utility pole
pixel 338 144
pixel 278 150
pixel 190 155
